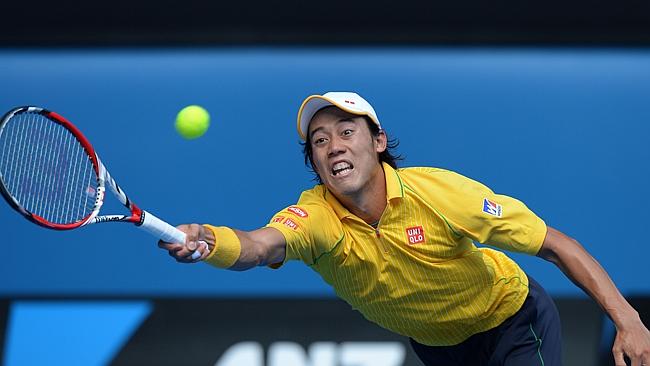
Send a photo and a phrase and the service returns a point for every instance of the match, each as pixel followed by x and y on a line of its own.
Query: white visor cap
pixel 347 101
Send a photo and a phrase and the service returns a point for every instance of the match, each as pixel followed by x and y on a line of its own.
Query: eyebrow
pixel 348 119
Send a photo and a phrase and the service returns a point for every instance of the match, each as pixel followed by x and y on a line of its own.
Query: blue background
pixel 564 130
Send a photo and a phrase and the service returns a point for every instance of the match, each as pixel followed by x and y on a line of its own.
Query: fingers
pixel 194 233
pixel 632 342
pixel 619 359
pixel 183 255
pixel 194 249
pixel 201 252
pixel 167 246
pixel 617 351
pixel 205 251
pixel 640 360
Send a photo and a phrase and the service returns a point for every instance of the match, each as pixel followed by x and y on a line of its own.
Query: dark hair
pixel 387 156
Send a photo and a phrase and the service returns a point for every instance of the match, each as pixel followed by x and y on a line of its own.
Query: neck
pixel 369 203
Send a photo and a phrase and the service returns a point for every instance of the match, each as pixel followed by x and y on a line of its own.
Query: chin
pixel 346 189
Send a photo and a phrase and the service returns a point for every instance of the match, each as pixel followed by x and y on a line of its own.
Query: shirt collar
pixel 394 189
pixel 394 186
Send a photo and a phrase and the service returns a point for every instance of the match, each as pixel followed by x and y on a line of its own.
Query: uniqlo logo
pixel 415 234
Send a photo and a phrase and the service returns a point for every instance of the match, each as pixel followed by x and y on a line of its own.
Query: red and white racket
pixel 51 174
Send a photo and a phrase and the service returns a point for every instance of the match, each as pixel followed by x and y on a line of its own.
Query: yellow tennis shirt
pixel 419 273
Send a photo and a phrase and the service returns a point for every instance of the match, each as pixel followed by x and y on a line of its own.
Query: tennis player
pixel 398 246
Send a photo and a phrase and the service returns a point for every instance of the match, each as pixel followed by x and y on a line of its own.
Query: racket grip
pixel 161 229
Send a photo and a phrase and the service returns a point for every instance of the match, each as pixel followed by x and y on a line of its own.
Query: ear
pixel 381 141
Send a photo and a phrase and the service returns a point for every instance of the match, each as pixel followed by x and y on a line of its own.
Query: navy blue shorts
pixel 530 337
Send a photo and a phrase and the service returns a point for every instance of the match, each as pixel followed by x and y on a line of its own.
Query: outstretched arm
pixel 632 337
pixel 258 248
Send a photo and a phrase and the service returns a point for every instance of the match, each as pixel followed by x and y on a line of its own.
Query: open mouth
pixel 342 168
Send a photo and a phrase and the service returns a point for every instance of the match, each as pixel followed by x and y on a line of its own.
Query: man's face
pixel 344 152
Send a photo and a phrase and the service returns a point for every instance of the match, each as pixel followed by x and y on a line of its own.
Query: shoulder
pixel 432 175
pixel 315 195
pixel 441 186
pixel 312 204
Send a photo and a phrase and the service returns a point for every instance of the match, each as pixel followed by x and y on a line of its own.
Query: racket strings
pixel 46 169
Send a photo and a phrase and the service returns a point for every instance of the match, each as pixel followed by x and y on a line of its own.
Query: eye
pixel 320 140
pixel 347 132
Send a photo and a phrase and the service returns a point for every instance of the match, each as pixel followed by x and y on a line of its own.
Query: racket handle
pixel 161 229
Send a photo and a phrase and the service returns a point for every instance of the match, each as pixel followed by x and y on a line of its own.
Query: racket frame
pixel 137 216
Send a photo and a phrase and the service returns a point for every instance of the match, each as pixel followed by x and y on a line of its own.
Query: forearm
pixel 252 253
pixel 239 250
pixel 583 270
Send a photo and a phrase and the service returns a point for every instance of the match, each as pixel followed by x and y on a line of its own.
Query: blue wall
pixel 563 130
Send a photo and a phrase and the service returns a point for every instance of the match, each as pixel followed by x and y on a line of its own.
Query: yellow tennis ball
pixel 192 121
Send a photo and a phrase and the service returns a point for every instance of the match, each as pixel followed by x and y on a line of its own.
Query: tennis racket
pixel 51 174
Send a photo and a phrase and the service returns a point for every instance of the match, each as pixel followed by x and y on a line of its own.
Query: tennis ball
pixel 192 121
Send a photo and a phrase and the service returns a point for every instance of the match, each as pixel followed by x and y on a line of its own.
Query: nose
pixel 336 147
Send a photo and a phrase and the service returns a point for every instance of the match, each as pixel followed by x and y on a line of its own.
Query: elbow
pixel 548 254
pixel 558 247
pixel 552 245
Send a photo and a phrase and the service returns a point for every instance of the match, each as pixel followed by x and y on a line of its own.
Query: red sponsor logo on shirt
pixel 415 234
pixel 297 211
pixel 278 219
pixel 291 224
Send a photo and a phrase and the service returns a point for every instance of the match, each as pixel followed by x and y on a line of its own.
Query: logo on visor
pixel 491 208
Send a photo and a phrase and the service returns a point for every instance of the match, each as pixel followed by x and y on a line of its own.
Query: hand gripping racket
pixel 51 174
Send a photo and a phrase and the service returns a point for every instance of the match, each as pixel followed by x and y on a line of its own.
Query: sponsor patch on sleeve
pixel 492 208
pixel 278 219
pixel 291 224
pixel 297 211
